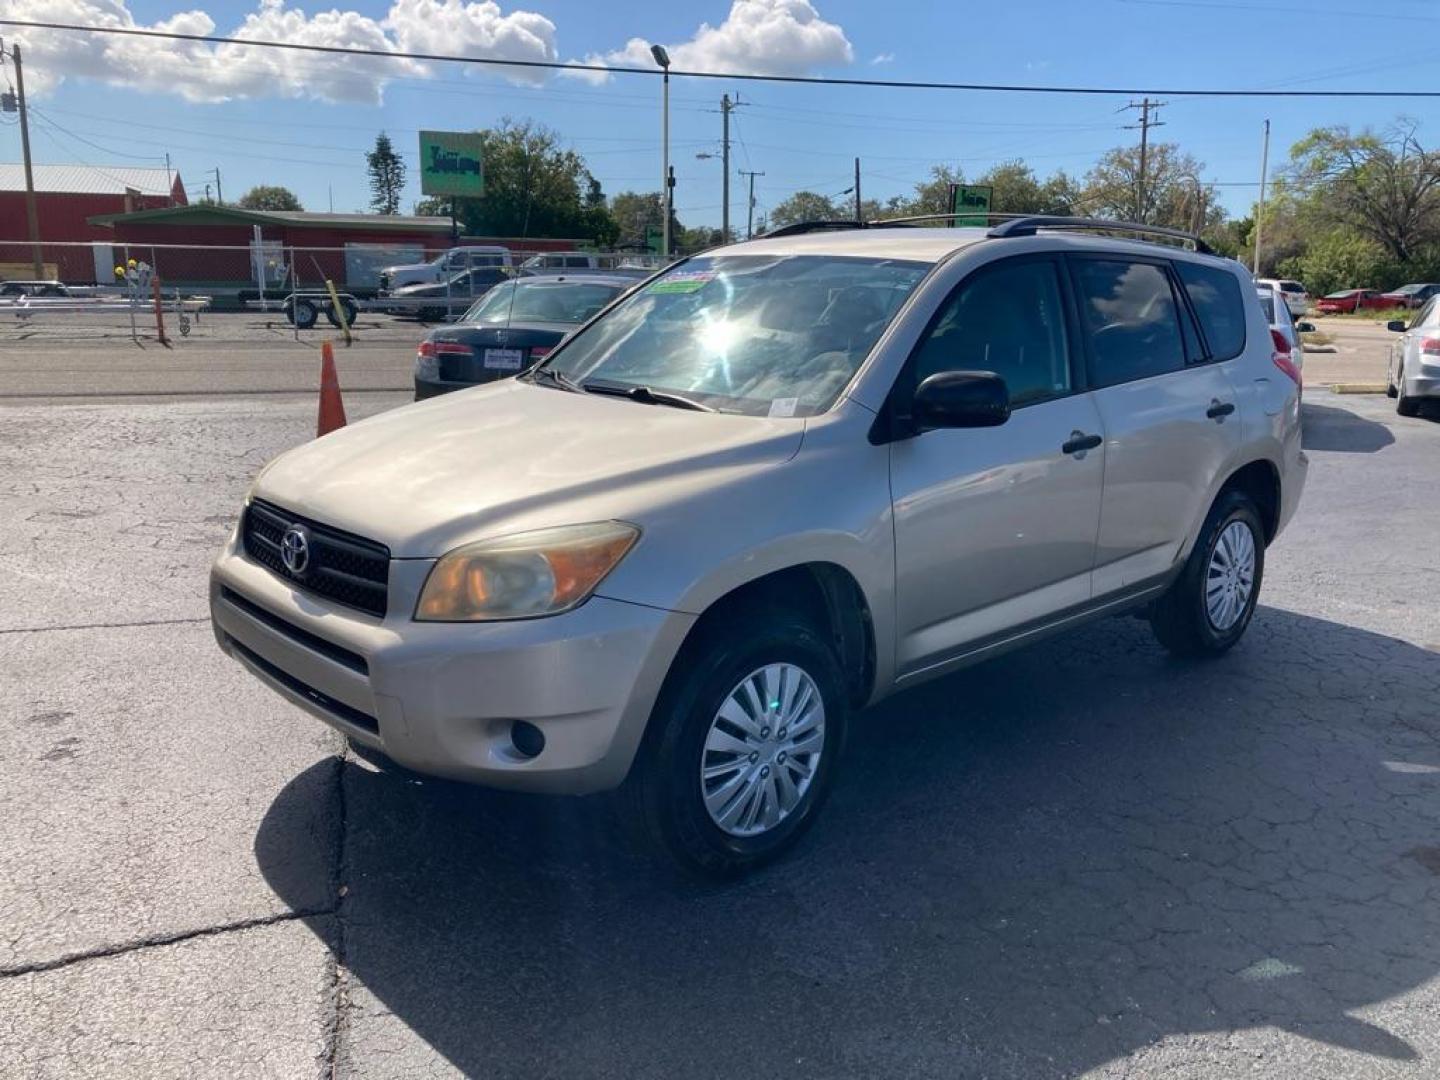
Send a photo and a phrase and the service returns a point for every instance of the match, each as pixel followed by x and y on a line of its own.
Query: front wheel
pixel 1208 607
pixel 743 745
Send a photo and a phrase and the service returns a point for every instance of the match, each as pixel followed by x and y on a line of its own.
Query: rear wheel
pixel 1209 606
pixel 743 745
pixel 1404 405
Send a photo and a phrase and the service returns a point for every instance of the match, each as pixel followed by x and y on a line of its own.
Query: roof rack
pixel 1029 226
pixel 799 228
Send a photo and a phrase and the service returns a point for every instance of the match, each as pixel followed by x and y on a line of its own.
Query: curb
pixel 1358 388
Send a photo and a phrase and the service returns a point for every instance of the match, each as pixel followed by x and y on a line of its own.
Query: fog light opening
pixel 527 739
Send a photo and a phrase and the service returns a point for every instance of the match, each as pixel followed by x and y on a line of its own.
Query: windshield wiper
pixel 645 395
pixel 555 378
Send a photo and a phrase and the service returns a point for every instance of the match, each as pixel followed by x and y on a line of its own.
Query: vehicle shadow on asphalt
pixel 1027 869
pixel 1327 427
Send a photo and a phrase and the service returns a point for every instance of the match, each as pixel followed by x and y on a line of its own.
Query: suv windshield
pixel 541 302
pixel 776 335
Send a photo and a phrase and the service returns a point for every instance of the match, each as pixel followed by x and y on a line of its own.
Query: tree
pixel 1386 186
pixel 534 187
pixel 269 197
pixel 432 206
pixel 1340 259
pixel 387 176
pixel 1173 195
pixel 635 213
pixel 807 206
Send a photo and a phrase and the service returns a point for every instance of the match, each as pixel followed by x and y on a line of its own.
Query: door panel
pixel 1162 455
pixel 993 527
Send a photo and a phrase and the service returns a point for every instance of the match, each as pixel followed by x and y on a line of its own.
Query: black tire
pixel 1391 391
pixel 663 791
pixel 348 308
pixel 1180 619
pixel 1405 406
pixel 303 314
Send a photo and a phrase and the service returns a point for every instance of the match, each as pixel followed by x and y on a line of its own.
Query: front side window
pixel 532 301
pixel 1131 319
pixel 1008 319
pixel 1215 295
pixel 777 335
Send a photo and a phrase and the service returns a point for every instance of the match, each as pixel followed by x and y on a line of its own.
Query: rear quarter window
pixel 1216 297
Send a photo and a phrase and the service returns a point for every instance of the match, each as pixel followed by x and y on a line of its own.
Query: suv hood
pixel 513 456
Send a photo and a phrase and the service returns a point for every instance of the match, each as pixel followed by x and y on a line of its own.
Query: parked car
pixel 1410 296
pixel 1413 373
pixel 1348 301
pixel 436 270
pixel 559 262
pixel 15 289
pixel 778 482
pixel 447 298
pixel 1277 314
pixel 1297 298
pixel 514 325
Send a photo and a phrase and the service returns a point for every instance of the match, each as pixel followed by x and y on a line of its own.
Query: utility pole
pixel 32 214
pixel 219 192
pixel 1260 214
pixel 725 107
pixel 169 182
pixel 750 220
pixel 1146 107
pixel 857 189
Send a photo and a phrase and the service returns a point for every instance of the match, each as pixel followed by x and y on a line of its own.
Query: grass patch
pixel 1370 315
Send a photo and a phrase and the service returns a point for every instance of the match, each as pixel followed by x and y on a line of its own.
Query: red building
pixel 218 247
pixel 66 198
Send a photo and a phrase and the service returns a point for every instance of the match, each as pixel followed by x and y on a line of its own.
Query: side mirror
pixel 1305 327
pixel 960 399
pixel 1396 326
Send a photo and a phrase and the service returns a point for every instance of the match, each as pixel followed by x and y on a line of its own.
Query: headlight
pixel 516 577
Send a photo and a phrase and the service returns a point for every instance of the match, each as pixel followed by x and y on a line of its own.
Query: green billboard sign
pixel 974 198
pixel 450 163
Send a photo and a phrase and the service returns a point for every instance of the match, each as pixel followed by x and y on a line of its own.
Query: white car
pixel 1297 299
pixel 454 261
pixel 1277 314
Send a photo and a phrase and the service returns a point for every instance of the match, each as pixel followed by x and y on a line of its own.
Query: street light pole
pixel 750 218
pixel 663 59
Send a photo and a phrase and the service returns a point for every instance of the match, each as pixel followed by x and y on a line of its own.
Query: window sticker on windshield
pixel 784 406
pixel 684 282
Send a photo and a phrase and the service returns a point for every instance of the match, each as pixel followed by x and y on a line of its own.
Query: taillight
pixel 427 348
pixel 538 351
pixel 1283 359
pixel 1430 346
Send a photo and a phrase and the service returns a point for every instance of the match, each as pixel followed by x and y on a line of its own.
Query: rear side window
pixel 1215 295
pixel 1131 319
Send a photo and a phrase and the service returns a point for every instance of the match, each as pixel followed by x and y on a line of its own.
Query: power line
pixel 815 80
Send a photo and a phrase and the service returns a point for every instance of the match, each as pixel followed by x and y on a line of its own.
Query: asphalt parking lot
pixel 1080 859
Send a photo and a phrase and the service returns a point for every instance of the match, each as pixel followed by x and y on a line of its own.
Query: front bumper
pixel 443 698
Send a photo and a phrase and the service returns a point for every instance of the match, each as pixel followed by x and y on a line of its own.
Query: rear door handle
pixel 1219 409
pixel 1079 442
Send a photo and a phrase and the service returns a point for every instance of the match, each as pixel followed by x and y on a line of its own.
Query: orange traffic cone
pixel 332 409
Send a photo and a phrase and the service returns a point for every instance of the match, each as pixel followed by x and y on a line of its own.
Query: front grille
pixel 354 661
pixel 342 567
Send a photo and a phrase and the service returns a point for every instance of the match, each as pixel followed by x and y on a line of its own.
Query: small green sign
pixel 450 163
pixel 974 198
pixel 654 238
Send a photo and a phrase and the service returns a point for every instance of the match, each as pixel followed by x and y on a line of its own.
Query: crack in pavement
pixel 339 972
pixel 105 625
pixel 124 947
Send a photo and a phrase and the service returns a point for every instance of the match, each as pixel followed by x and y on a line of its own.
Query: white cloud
pixel 883 58
pixel 758 37
pixel 210 73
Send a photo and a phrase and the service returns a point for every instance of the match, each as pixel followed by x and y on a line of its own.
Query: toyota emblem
pixel 295 549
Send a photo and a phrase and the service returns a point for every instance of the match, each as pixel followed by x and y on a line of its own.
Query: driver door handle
pixel 1218 409
pixel 1079 442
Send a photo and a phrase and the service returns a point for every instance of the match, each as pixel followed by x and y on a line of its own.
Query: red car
pixel 1350 300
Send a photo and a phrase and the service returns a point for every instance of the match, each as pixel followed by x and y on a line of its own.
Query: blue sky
pixel 305 121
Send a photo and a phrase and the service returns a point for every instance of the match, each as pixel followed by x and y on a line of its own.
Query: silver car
pixel 1282 322
pixel 774 484
pixel 1414 368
